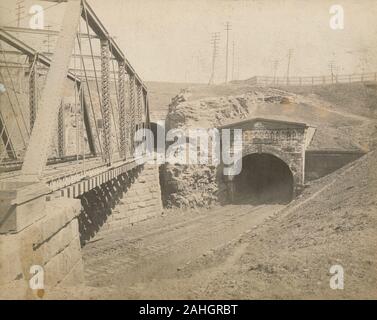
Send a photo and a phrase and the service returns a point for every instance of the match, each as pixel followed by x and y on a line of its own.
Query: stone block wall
pixel 52 242
pixel 142 200
pixel 131 197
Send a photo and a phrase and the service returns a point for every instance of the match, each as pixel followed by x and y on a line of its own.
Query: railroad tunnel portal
pixel 273 160
pixel 264 179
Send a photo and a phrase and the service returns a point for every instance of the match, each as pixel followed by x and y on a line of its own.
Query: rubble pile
pixel 191 186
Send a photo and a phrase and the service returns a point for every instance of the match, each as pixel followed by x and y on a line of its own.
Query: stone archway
pixel 294 161
pixel 264 178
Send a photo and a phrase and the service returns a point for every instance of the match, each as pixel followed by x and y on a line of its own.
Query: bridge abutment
pixel 51 242
pixel 45 229
pixel 131 197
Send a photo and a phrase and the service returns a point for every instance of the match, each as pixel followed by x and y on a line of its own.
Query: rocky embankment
pixel 200 185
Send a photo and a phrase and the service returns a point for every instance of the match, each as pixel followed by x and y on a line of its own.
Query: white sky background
pixel 169 40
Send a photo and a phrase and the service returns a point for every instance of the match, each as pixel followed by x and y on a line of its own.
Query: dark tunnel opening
pixel 264 178
pixel 155 128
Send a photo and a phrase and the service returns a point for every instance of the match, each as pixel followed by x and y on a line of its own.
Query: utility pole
pixel 331 68
pixel 19 11
pixel 238 67
pixel 290 52
pixel 227 29
pixel 48 27
pixel 214 41
pixel 233 54
pixel 364 59
pixel 275 66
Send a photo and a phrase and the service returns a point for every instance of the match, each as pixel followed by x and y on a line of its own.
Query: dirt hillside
pixel 332 223
pixel 337 127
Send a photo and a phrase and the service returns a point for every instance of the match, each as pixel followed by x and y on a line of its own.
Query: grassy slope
pixel 357 98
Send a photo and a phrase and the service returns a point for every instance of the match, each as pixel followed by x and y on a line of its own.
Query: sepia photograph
pixel 191 150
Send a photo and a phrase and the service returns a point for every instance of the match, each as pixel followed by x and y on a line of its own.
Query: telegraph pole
pixel 233 53
pixel 19 11
pixel 227 29
pixel 238 67
pixel 214 41
pixel 275 65
pixel 331 68
pixel 48 41
pixel 290 52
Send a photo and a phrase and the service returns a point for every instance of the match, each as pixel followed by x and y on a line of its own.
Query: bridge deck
pixel 74 179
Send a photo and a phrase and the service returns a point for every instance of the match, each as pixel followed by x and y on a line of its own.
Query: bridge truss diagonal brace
pixel 47 114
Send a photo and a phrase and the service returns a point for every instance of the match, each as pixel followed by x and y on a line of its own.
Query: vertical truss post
pixel 105 81
pixel 132 111
pixel 32 90
pixel 139 105
pixel 47 117
pixel 139 116
pixel 61 140
pixel 145 115
pixel 128 115
pixel 122 108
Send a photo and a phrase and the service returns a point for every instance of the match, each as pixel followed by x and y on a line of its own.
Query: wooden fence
pixel 307 81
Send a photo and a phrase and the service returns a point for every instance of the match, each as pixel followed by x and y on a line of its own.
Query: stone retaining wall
pixel 141 200
pixel 131 197
pixel 52 242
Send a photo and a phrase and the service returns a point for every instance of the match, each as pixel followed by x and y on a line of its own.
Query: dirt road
pixel 127 260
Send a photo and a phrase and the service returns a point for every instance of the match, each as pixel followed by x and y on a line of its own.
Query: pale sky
pixel 169 40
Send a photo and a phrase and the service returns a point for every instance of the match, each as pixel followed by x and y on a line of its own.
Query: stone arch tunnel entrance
pixel 273 162
pixel 264 178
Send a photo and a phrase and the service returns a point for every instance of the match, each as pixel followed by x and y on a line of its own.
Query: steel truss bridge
pixel 67 117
